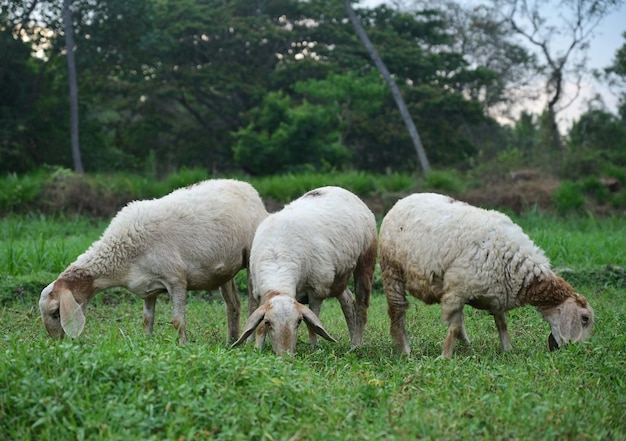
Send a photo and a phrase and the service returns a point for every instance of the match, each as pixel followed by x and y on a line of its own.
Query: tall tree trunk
pixel 71 74
pixel 417 142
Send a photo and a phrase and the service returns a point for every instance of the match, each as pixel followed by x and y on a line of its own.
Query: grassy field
pixel 116 384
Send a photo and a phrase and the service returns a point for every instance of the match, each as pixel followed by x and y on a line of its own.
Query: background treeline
pixel 269 87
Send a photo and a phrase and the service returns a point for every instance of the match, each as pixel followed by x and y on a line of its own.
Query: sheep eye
pixel 585 319
pixel 55 314
pixel 267 323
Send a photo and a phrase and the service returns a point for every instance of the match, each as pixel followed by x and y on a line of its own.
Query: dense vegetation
pixel 284 86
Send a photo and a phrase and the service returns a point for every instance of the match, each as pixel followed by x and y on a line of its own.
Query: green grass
pixel 114 383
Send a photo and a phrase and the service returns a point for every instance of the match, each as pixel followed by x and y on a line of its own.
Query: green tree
pixel 282 138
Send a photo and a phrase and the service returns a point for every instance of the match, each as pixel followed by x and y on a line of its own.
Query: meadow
pixel 114 383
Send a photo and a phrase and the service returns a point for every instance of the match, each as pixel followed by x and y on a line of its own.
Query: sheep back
pixel 312 244
pixel 437 244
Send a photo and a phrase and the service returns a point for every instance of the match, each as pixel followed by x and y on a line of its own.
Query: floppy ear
pixel 570 325
pixel 313 323
pixel 255 318
pixel 72 317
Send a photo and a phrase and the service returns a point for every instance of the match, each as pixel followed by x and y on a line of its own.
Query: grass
pixel 114 383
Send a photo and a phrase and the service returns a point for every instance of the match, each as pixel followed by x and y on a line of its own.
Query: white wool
pixel 482 252
pixel 444 251
pixel 301 248
pixel 308 252
pixel 197 237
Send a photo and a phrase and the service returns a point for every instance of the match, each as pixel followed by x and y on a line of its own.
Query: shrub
pixel 568 197
pixel 447 181
pixel 595 188
pixel 20 191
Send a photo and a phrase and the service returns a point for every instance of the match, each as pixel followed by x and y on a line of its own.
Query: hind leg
pixel 363 276
pixel 397 305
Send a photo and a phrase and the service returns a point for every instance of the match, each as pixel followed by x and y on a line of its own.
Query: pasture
pixel 114 383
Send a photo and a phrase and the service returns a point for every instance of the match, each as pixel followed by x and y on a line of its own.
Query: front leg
pixel 500 320
pixel 315 305
pixel 347 307
pixel 452 314
pixel 179 303
pixel 233 306
pixel 149 307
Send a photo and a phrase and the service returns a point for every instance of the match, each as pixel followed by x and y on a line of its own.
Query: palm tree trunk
pixel 71 74
pixel 417 142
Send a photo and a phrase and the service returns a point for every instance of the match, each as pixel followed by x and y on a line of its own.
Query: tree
pixel 577 19
pixel 73 86
pixel 499 69
pixel 616 75
pixel 397 96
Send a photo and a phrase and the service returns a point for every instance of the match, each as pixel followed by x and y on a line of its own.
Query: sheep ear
pixel 570 326
pixel 313 323
pixel 255 318
pixel 72 317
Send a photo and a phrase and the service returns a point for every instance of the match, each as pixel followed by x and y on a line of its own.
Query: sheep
pixel 195 238
pixel 445 251
pixel 307 252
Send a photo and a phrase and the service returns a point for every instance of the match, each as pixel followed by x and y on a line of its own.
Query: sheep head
pixel 279 318
pixel 570 321
pixel 60 312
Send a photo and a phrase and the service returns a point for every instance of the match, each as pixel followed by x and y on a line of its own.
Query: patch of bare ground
pixel 517 192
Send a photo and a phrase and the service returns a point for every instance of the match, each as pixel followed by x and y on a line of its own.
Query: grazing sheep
pixel 445 251
pixel 307 252
pixel 195 238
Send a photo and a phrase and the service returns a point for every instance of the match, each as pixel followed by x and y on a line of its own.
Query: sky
pixel 607 39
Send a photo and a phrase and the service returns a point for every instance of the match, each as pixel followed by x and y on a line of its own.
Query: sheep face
pixel 570 322
pixel 279 317
pixel 60 312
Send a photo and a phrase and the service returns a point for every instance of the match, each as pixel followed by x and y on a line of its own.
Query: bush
pixel 447 181
pixel 568 197
pixel 592 186
pixel 20 191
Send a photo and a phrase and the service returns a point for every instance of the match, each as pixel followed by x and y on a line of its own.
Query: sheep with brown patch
pixel 306 253
pixel 195 238
pixel 445 251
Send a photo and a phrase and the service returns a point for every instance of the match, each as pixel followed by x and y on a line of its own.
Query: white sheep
pixel 195 238
pixel 307 252
pixel 445 251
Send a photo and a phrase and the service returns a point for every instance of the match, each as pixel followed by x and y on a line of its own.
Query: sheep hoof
pixel 552 344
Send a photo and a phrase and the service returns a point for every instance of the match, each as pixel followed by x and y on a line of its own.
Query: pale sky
pixel 606 41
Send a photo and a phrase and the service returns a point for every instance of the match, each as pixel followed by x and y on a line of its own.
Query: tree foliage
pixel 262 87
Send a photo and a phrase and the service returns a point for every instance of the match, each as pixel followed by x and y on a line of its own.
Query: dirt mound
pixel 76 194
pixel 515 194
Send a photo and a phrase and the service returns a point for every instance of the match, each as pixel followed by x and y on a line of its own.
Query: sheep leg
pixel 149 307
pixel 347 306
pixel 452 314
pixel 397 305
pixel 363 276
pixel 179 301
pixel 233 306
pixel 315 305
pixel 500 320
